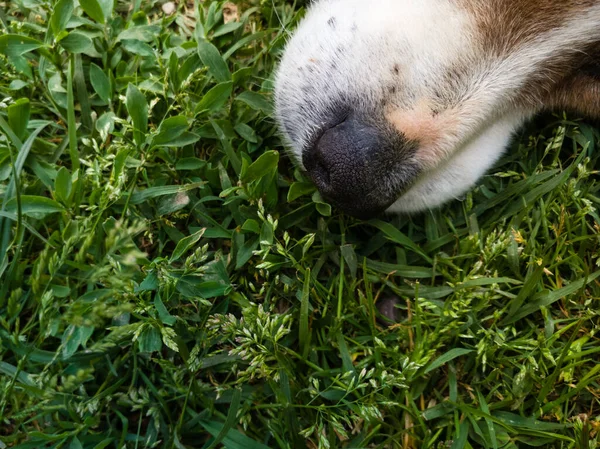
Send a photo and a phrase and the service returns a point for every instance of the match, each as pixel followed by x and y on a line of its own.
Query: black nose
pixel 354 166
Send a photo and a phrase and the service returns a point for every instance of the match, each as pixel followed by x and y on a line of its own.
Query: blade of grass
pixel 230 420
pixel 71 124
pixel 82 93
pixel 303 330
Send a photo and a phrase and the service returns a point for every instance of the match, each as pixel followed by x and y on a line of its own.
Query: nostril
pixel 321 170
pixel 317 166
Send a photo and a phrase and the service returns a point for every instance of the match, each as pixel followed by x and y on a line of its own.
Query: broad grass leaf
pixel 71 119
pixel 333 395
pixel 437 411
pixel 233 157
pixel 446 357
pixel 530 284
pixel 246 132
pixel 107 7
pixel 186 138
pixel 244 41
pixel 13 372
pixel 186 243
pixel 213 61
pixel 104 443
pixel 76 42
pixel 149 283
pixel 138 110
pixel 5 168
pixel 73 337
pixel 190 288
pixel 170 129
pixel 407 271
pixel 100 82
pixel 17 85
pixel 425 291
pixel 227 28
pixel 303 330
pixel 479 282
pixel 105 124
pixel 93 9
pixel 350 258
pixel 63 186
pixel 298 189
pixel 173 71
pixel 233 439
pixel 490 425
pixel 154 192
pixel 83 97
pixel 264 165
pixel 172 203
pixel 514 420
pixel 230 420
pixel 215 98
pixel 190 163
pixel 137 47
pixel 61 14
pixel 13 217
pixel 33 205
pixel 251 225
pixel 144 33
pixel 21 64
pixel 256 101
pixel 452 385
pixel 11 189
pixel 150 340
pixel 18 116
pixel 17 45
pixel 212 289
pixel 323 208
pixel 240 76
pixel 460 441
pixel 163 313
pixel 347 364
pixel 541 441
pixel 245 249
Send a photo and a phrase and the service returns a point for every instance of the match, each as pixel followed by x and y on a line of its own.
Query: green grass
pixel 168 279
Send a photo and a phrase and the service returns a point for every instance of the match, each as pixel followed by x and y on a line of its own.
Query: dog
pixel 402 105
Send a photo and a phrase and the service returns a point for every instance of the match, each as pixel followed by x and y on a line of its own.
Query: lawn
pixel 168 279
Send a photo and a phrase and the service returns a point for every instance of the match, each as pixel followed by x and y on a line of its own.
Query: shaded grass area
pixel 168 279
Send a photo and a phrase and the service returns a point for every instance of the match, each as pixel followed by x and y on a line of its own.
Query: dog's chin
pixel 361 209
pixel 373 203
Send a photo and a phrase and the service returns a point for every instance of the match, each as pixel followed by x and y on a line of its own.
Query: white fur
pixel 457 175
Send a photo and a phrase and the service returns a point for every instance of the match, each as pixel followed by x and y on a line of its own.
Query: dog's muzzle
pixel 358 166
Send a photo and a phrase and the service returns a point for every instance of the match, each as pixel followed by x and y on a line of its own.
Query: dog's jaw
pixel 458 174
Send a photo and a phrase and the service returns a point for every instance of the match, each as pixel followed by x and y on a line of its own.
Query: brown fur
pixel 507 24
pixel 419 124
pixel 504 25
pixel 579 93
